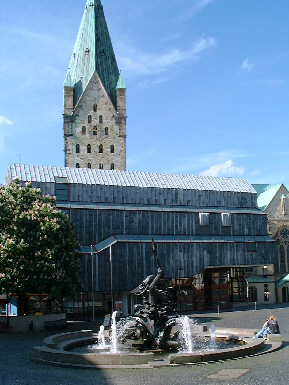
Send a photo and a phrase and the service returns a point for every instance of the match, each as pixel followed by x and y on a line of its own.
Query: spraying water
pixel 186 334
pixel 213 335
pixel 113 336
pixel 101 339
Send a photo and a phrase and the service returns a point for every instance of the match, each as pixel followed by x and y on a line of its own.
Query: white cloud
pixel 197 6
pixel 4 132
pixel 246 66
pixel 140 63
pixel 223 169
pixel 272 82
pixel 4 120
pixel 194 164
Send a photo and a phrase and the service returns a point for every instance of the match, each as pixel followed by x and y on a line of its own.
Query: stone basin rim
pixel 55 352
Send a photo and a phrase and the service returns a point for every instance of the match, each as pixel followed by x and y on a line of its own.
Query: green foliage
pixel 38 249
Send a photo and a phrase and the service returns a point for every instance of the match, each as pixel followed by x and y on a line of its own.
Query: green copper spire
pixel 120 83
pixel 68 81
pixel 92 52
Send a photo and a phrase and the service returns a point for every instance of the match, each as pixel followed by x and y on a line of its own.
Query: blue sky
pixel 207 83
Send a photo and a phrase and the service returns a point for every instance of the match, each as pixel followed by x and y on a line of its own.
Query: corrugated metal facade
pixel 125 209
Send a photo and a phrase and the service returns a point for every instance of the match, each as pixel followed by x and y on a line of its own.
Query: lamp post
pixel 92 293
pixel 179 278
pixel 111 288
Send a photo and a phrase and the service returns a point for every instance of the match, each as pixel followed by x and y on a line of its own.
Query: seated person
pixel 270 326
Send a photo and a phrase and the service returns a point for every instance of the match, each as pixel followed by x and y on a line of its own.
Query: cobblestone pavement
pixel 17 369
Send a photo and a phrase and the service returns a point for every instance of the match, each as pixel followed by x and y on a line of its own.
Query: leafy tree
pixel 38 249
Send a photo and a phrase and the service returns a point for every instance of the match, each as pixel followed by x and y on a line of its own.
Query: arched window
pixel 112 149
pixel 94 130
pixel 100 148
pixel 112 166
pixel 88 148
pixel 77 149
pixel 83 130
pixel 282 257
pixel 95 108
pixel 77 165
pixel 106 131
pixel 88 165
pixel 89 119
pixel 100 166
pixel 100 119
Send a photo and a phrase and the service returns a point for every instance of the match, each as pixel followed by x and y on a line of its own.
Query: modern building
pixel 94 116
pixel 209 232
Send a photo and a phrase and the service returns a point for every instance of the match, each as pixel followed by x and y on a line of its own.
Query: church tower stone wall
pixel 94 98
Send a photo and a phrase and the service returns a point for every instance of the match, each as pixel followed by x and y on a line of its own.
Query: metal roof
pixel 120 83
pixel 266 192
pixel 259 279
pixel 282 281
pixel 28 173
pixel 93 52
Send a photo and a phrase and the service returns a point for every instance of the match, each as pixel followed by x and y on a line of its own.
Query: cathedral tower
pixel 94 98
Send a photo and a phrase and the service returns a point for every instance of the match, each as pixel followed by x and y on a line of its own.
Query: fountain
pixel 213 336
pixel 154 327
pixel 113 336
pixel 186 335
pixel 101 338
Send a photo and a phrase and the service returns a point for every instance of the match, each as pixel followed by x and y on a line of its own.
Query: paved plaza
pixel 17 369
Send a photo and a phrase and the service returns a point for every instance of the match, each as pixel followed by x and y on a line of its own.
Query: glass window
pixel 226 219
pixel 61 189
pixel 77 165
pixel 77 149
pixel 88 165
pixel 100 148
pixel 106 131
pixel 100 166
pixel 89 119
pixel 112 166
pixel 94 130
pixel 95 108
pixel 112 149
pixel 251 247
pixel 204 219
pixel 83 130
pixel 88 148
pixel 100 119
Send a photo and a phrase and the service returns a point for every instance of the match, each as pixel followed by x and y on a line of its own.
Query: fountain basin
pixel 56 352
pixel 42 354
pixel 251 347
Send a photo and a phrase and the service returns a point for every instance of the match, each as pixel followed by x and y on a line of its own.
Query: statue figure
pixel 152 316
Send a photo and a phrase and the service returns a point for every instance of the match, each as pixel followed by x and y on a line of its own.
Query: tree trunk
pixel 22 304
